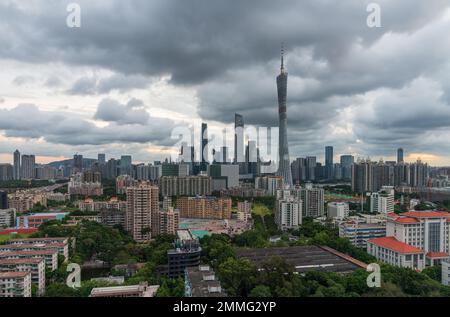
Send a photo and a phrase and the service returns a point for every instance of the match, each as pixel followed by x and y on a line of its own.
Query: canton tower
pixel 284 166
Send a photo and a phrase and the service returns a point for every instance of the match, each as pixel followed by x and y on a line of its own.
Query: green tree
pixel 237 276
pixel 260 291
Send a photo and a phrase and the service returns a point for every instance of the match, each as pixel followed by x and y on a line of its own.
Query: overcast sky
pixel 137 69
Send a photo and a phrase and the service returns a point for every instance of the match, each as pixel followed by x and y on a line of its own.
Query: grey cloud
pixel 28 121
pixel 97 86
pixel 112 111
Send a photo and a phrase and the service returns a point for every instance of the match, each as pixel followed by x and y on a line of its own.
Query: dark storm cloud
pixel 93 85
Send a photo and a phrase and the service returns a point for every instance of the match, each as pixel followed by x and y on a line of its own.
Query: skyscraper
pixel 238 138
pixel 400 155
pixel 77 163
pixel 346 164
pixel 16 171
pixel 126 163
pixel 142 212
pixel 329 162
pixel 284 165
pixel 3 200
pixel 101 158
pixel 204 146
pixel 28 165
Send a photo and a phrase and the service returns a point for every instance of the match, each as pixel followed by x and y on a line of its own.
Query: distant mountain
pixel 69 163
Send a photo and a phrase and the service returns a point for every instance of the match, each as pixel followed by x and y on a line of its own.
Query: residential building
pixel 337 210
pixel 142 211
pixel 6 172
pixel 50 256
pixel 270 184
pixel 36 266
pixel 204 207
pixel 169 220
pixel 123 182
pixel 185 186
pixel 27 166
pixel 7 217
pixel 15 284
pixel 382 201
pixel 17 167
pixel 288 213
pixel 3 200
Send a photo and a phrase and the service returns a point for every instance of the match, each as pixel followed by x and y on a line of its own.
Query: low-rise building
pixel 36 266
pixel 141 290
pixel 360 232
pixel 201 281
pixel 15 284
pixel 337 210
pixel 396 253
pixel 204 207
pixel 7 217
pixel 50 256
pixel 61 248
pixel 186 253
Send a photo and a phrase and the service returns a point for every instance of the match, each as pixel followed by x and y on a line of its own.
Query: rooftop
pixel 204 282
pixel 426 214
pixel 21 261
pixel 13 274
pixel 146 291
pixel 437 255
pixel 393 244
pixel 305 258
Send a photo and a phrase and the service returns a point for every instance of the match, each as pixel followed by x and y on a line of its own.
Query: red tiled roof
pixel 21 261
pixel 19 231
pixel 426 214
pixel 393 244
pixel 392 214
pixel 437 255
pixel 13 274
pixel 406 220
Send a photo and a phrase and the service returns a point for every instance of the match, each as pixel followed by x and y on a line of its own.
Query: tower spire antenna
pixel 282 57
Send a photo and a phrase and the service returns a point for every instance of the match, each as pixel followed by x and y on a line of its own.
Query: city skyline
pixel 91 101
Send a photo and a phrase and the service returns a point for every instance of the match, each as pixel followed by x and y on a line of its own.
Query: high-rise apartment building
pixel 288 213
pixel 27 166
pixel 400 155
pixel 17 168
pixel 101 158
pixel 185 186
pixel 204 207
pixel 312 199
pixel 329 172
pixel 142 216
pixel 77 163
pixel 3 200
pixel 126 166
pixel 346 165
pixel 382 201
